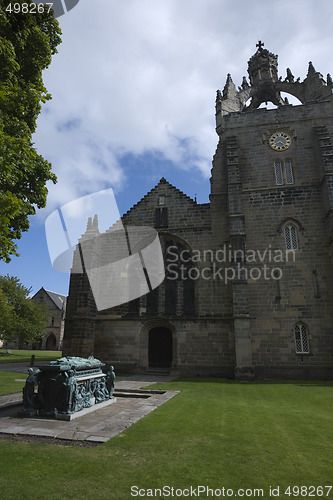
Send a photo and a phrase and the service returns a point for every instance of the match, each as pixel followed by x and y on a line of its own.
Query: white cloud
pixel 138 78
pixel 140 75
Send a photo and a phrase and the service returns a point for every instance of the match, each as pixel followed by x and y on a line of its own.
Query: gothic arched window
pixel 290 236
pixel 301 339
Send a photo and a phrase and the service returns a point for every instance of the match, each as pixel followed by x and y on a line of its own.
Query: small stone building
pixel 248 290
pixel 56 306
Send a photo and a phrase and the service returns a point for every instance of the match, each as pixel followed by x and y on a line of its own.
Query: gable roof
pixel 57 298
pixel 171 187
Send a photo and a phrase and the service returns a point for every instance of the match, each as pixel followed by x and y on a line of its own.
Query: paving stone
pixel 98 439
pixel 13 429
pixel 35 431
pixel 76 436
pixel 98 426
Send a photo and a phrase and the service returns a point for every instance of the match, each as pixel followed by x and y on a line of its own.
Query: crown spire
pixel 265 86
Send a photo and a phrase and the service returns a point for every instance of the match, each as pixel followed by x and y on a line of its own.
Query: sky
pixel 133 98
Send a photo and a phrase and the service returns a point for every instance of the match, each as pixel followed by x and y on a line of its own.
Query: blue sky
pixel 134 86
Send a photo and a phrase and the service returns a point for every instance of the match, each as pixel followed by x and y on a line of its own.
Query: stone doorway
pixel 51 342
pixel 160 348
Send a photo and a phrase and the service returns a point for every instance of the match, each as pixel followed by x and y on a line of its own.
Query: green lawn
pixel 214 434
pixel 9 383
pixel 23 356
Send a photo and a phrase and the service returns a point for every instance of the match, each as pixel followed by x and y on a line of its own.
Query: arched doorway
pixel 160 347
pixel 51 342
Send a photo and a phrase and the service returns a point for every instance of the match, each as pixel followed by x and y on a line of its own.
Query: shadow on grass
pixel 210 380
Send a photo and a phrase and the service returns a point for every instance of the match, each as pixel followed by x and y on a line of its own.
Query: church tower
pixel 272 204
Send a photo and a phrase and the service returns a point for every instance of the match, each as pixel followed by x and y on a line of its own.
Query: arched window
pixel 301 339
pixel 283 172
pixel 290 236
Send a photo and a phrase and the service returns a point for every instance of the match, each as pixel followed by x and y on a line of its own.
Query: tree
pixel 27 43
pixel 21 318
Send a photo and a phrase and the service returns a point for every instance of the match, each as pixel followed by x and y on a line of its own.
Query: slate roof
pixel 57 298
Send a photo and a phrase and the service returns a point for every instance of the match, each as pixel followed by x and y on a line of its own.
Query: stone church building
pixel 248 288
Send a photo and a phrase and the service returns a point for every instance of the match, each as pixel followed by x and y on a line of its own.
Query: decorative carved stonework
pixel 263 65
pixel 266 86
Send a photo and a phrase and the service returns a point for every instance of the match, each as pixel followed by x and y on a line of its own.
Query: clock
pixel 280 141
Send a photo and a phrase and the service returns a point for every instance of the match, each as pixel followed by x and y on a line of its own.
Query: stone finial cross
pixel 260 44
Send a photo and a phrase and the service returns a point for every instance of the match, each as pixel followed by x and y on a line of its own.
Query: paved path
pixel 20 367
pixel 96 427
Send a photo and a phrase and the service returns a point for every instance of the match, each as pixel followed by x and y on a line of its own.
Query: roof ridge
pixel 56 293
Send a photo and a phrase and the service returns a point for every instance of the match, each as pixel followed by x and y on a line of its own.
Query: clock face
pixel 279 141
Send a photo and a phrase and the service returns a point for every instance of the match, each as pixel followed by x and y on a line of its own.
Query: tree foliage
pixel 27 43
pixel 21 318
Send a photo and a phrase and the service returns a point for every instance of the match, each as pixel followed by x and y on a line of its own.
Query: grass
pixel 18 356
pixel 9 384
pixel 215 433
